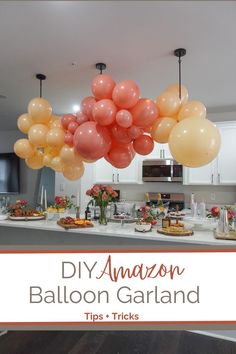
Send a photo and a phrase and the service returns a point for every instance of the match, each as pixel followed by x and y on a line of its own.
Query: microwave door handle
pixel 171 172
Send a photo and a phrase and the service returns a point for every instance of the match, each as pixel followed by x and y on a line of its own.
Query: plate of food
pixel 177 229
pixel 74 223
pixel 29 216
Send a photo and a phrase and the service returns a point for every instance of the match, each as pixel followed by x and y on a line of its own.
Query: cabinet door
pixel 200 175
pixel 104 172
pixel 226 162
pixel 166 154
pixel 128 174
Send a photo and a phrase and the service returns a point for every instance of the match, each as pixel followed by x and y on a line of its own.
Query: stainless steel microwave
pixel 163 170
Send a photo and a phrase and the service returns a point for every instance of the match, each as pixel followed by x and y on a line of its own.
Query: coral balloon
pixel 72 127
pixel 119 157
pixel 161 129
pixel 38 135
pixel 120 134
pixel 192 109
pixel 184 92
pixel 55 137
pixel 126 94
pixel 134 132
pixel 87 105
pixel 143 145
pixel 67 119
pixel 102 86
pixel 24 122
pixel 92 141
pixel 124 118
pixel 69 156
pixel 36 161
pixel 168 104
pixel 56 164
pixel 81 118
pixel 104 112
pixel 144 113
pixel 24 149
pixel 69 139
pixel 40 110
pixel 194 142
pixel 73 172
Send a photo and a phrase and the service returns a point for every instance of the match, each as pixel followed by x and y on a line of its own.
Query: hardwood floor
pixel 112 342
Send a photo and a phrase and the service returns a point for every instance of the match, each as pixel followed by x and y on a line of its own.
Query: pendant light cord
pixel 40 88
pixel 40 77
pixel 180 77
pixel 180 52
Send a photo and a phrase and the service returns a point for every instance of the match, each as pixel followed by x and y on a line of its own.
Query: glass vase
pixel 103 215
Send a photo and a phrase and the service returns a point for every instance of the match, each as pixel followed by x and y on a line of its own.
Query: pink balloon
pixel 120 134
pixel 134 132
pixel 104 112
pixel 119 156
pixel 87 105
pixel 68 139
pixel 143 145
pixel 72 127
pixel 102 86
pixel 144 113
pixel 126 94
pixel 81 118
pixel 92 141
pixel 124 118
pixel 67 119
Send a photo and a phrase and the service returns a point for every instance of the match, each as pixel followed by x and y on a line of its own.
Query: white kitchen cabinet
pixel 160 151
pixel 201 175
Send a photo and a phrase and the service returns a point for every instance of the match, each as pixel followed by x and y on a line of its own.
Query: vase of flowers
pixel 215 213
pixel 102 195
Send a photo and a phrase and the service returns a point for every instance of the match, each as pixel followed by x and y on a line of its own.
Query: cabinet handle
pixel 118 177
pixel 212 178
pixel 218 177
pixel 113 177
pixel 163 153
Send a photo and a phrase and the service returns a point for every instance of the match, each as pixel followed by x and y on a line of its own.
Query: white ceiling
pixel 136 40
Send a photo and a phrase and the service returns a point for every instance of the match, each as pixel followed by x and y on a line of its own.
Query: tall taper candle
pixel 41 197
pixel 45 201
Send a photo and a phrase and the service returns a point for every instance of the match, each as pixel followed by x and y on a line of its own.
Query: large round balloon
pixel 36 161
pixel 102 86
pixel 92 141
pixel 192 109
pixel 120 134
pixel 144 113
pixel 40 110
pixel 161 129
pixel 184 92
pixel 194 142
pixel 38 135
pixel 143 145
pixel 24 149
pixel 119 156
pixel 104 112
pixel 67 119
pixel 134 132
pixel 73 172
pixel 55 138
pixel 126 94
pixel 24 122
pixel 87 105
pixel 168 104
pixel 124 118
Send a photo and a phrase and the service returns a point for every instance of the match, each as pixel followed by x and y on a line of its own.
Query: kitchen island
pixel 47 232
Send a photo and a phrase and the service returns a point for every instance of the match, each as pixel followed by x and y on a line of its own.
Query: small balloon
pixel 55 123
pixel 143 145
pixel 119 157
pixel 168 104
pixel 56 164
pixel 81 118
pixel 126 94
pixel 47 158
pixel 124 118
pixel 134 132
pixel 161 129
pixel 55 138
pixel 144 113
pixel 73 172
pixel 36 161
pixel 192 109
pixel 38 135
pixel 68 139
pixel 102 86
pixel 72 127
pixel 87 105
pixel 24 149
pixel 67 119
pixel 40 110
pixel 24 122
pixel 184 92
pixel 120 134
pixel 69 156
pixel 104 112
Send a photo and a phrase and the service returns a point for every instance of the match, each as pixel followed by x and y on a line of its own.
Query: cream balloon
pixel 161 129
pixel 168 104
pixel 40 110
pixel 24 122
pixel 68 155
pixel 194 142
pixel 73 172
pixel 192 109
pixel 55 137
pixel 38 135
pixel 24 149
pixel 36 161
pixel 184 92
pixel 56 164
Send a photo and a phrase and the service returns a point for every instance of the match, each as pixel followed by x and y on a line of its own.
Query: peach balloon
pixel 24 122
pixel 184 92
pixel 143 145
pixel 68 155
pixel 38 135
pixel 120 134
pixel 55 123
pixel 104 112
pixel 67 119
pixel 36 161
pixel 51 151
pixel 47 158
pixel 124 118
pixel 102 86
pixel 55 138
pixel 81 118
pixel 87 105
pixel 92 141
pixel 56 164
pixel 144 112
pixel 192 109
pixel 161 129
pixel 134 132
pixel 126 94
pixel 168 104
pixel 69 138
pixel 194 142
pixel 24 149
pixel 72 172
pixel 40 110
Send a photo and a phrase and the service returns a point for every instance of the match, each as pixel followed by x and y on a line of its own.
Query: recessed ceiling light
pixel 76 108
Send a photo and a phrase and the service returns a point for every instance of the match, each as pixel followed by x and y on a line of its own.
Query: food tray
pixel 172 233
pixel 221 236
pixel 26 218
pixel 72 226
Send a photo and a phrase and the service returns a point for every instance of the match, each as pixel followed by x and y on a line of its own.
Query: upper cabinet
pixel 160 151
pixel 222 170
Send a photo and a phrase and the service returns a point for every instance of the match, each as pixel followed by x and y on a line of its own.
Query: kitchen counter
pixel 47 232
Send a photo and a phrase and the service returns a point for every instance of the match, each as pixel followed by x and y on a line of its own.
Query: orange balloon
pixel 47 158
pixel 56 164
pixel 143 145
pixel 161 129
pixel 55 138
pixel 68 155
pixel 55 123
pixel 24 149
pixel 184 92
pixel 36 161
pixel 73 172
pixel 38 135
pixel 52 151
pixel 24 122
pixel 194 142
pixel 40 110
pixel 192 109
pixel 168 104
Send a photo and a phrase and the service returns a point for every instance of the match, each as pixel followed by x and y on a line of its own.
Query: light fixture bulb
pixel 76 108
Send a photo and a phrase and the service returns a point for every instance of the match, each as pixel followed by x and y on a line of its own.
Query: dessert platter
pixel 74 223
pixel 176 229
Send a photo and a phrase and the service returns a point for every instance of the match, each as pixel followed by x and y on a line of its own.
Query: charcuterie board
pixel 184 232
pixel 68 226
